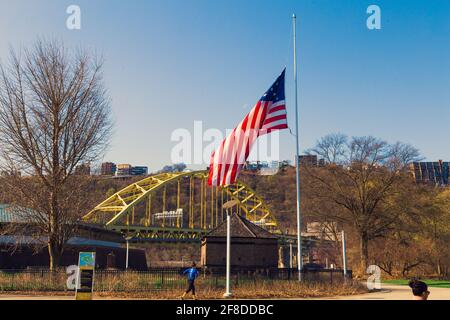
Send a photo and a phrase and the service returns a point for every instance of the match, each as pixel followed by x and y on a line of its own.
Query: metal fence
pixel 253 275
pixel 156 279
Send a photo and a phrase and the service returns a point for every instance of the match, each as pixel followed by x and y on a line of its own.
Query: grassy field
pixel 260 290
pixel 170 286
pixel 429 282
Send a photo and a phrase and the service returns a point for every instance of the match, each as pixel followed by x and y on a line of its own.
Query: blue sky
pixel 169 63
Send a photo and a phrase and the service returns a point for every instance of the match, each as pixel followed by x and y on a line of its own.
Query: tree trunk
pixel 53 245
pixel 54 254
pixel 364 251
pixel 439 269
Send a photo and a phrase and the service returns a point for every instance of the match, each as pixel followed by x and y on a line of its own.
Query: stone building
pixel 251 246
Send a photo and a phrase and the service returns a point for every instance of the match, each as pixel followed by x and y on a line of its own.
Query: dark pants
pixel 191 287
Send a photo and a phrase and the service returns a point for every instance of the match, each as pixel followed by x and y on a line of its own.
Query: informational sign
pixel 86 268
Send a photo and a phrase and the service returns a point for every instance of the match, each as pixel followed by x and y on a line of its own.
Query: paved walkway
pixel 388 292
pixel 28 297
pixel 397 292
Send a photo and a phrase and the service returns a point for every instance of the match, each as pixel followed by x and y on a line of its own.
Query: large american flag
pixel 267 115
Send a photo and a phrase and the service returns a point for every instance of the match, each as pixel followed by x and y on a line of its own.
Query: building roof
pixel 240 228
pixel 74 241
pixel 5 216
pixel 9 214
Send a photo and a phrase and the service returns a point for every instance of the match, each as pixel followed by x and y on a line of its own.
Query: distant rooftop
pixel 74 241
pixel 240 228
pixel 9 214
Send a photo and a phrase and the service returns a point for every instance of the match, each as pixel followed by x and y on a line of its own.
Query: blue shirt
pixel 192 273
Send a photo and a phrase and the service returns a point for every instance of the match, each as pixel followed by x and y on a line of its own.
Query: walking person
pixel 419 289
pixel 192 274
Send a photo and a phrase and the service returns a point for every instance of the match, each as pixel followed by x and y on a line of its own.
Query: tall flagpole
pixel 297 159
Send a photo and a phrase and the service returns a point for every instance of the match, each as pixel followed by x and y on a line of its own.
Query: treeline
pixel 366 189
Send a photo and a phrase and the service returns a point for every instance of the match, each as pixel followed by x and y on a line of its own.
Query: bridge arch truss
pixel 178 206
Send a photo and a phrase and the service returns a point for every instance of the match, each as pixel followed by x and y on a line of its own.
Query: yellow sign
pixel 86 267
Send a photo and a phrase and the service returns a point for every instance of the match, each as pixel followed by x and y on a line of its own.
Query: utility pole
pixel 127 240
pixel 344 254
pixel 227 205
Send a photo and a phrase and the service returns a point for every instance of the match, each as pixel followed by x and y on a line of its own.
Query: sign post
pixel 85 281
pixel 344 254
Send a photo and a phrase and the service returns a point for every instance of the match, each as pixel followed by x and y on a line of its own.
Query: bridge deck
pixel 172 234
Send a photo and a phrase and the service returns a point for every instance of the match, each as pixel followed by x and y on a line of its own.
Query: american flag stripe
pixel 247 137
pixel 277 108
pixel 277 127
pixel 268 114
pixel 274 119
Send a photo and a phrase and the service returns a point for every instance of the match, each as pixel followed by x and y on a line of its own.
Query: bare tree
pixel 54 115
pixel 365 188
pixel 331 147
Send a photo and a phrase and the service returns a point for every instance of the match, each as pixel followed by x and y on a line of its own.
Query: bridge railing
pixel 156 279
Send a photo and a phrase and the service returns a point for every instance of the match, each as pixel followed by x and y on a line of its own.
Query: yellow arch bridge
pixel 179 207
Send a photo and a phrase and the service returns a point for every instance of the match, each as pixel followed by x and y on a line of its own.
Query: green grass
pixel 429 282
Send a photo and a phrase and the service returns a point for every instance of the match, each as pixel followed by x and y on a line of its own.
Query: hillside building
pixel 251 246
pixel 108 169
pixel 433 173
